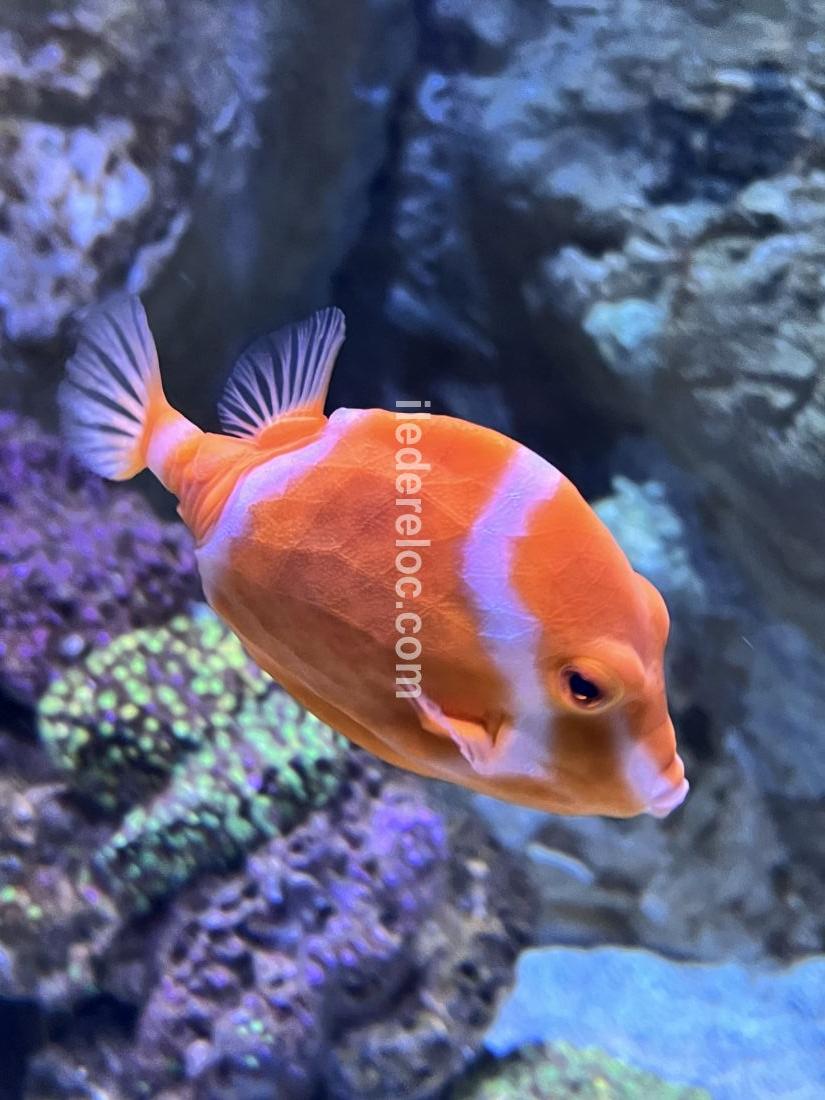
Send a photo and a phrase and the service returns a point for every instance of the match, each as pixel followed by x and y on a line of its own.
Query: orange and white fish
pixel 432 589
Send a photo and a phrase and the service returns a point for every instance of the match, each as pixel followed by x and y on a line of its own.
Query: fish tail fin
pixel 112 396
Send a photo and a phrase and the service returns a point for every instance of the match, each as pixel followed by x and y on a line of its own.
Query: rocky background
pixel 597 226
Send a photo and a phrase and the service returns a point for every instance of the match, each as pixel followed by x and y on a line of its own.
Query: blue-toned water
pixel 595 227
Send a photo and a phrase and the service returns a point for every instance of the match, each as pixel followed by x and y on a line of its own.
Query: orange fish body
pixel 432 589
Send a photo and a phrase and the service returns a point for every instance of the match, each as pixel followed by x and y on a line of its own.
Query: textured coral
pixel 88 1070
pixel 240 789
pixel 252 965
pixel 558 1071
pixel 176 725
pixel 120 721
pixel 464 955
pixel 279 978
pixel 54 923
pixel 80 562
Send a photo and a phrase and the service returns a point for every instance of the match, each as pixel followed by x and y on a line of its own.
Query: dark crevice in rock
pixel 21 1033
pixel 54 107
pixel 16 718
pixel 101 1012
pixel 713 158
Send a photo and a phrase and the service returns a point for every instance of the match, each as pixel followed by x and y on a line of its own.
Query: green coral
pixel 558 1071
pixel 120 722
pixel 206 756
pixel 278 762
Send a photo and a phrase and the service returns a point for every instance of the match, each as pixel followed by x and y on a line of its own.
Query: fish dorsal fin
pixel 286 372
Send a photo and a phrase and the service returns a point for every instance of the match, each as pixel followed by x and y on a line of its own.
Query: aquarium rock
pixel 630 209
pixel 75 200
pixel 730 378
pixel 784 703
pixel 95 160
pixel 107 134
pixel 219 152
pixel 706 886
pixel 363 952
pixel 464 950
pixel 735 873
pixel 736 1031
pixel 368 942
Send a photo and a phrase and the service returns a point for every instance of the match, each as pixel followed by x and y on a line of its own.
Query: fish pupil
pixel 582 689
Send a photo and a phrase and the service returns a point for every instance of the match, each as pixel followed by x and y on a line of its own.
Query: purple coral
pixel 464 951
pixel 257 970
pixel 351 940
pixel 80 561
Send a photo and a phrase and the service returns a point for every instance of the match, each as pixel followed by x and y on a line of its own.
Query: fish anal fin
pixel 475 741
pixel 284 374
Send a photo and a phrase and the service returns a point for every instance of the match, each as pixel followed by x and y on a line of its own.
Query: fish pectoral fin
pixel 475 741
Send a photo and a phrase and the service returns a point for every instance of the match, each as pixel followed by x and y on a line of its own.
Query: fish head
pixel 613 744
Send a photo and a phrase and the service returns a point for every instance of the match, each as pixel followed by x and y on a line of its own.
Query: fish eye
pixel 588 685
pixel 583 691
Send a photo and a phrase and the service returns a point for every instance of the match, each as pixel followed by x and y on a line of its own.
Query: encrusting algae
pixel 559 1071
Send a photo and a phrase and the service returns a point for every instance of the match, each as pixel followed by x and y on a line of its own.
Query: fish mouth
pixel 669 789
pixel 659 790
pixel 666 797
